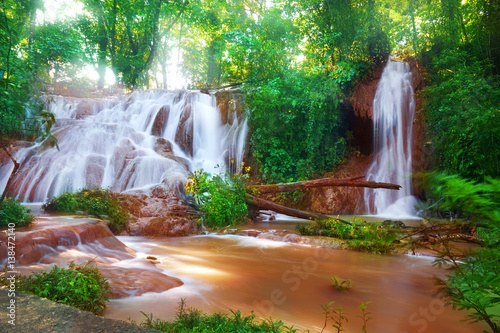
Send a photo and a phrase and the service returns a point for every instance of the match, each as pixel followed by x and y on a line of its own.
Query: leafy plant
pixel 193 320
pixel 221 198
pixel 97 202
pixel 475 279
pixel 364 315
pixel 11 211
pixel 336 314
pixel 80 286
pixel 341 284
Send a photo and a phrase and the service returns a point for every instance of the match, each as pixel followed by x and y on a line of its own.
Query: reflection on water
pixel 289 281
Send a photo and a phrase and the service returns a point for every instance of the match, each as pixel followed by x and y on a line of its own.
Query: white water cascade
pixel 128 143
pixel 393 112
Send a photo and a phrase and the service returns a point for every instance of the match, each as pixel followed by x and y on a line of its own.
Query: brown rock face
pixel 160 212
pixel 230 104
pixel 340 200
pixel 160 121
pixel 359 113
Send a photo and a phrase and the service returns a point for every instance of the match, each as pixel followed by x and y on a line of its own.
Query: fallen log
pixel 323 182
pixel 262 204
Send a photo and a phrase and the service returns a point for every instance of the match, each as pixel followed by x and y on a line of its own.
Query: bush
pixel 11 211
pixel 97 202
pixel 296 125
pixel 80 286
pixel 221 198
pixel 193 320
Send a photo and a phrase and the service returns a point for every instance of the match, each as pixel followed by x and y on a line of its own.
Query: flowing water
pixel 393 112
pixel 126 143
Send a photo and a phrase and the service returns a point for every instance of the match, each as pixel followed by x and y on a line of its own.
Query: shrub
pixel 80 286
pixel 11 211
pixel 97 202
pixel 221 198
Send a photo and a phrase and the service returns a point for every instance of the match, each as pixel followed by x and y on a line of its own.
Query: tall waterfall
pixel 129 142
pixel 393 112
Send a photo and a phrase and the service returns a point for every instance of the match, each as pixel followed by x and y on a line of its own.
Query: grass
pixel 193 320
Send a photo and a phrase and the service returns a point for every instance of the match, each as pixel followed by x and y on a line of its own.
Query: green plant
pixel 336 314
pixel 11 211
pixel 364 315
pixel 341 284
pixel 97 202
pixel 221 198
pixel 193 320
pixel 80 286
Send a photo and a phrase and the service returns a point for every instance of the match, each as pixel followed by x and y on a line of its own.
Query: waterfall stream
pixel 393 112
pixel 129 142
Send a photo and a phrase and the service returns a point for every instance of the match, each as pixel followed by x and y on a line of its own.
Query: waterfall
pixel 393 112
pixel 128 143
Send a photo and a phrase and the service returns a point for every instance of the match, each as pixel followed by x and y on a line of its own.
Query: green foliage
pixel 221 198
pixel 80 286
pixel 11 211
pixel 474 283
pixel 462 110
pixel 97 202
pixel 296 125
pixel 193 320
pixel 372 237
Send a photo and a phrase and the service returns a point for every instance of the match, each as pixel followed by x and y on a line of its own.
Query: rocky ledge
pixel 36 314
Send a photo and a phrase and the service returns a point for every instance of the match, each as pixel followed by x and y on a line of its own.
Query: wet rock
pixel 173 226
pixel 160 121
pixel 184 134
pixel 163 147
pixel 230 104
pixel 94 170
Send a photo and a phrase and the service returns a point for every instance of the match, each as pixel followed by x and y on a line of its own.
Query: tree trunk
pixel 352 182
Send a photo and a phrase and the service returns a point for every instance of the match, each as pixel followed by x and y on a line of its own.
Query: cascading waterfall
pixel 127 143
pixel 393 112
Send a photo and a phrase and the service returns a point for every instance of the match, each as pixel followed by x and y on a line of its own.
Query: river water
pixel 289 281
